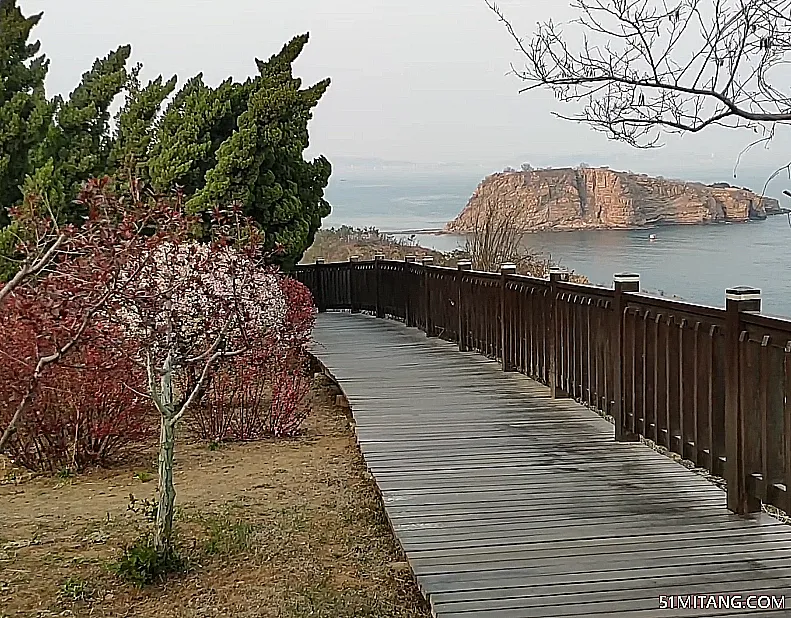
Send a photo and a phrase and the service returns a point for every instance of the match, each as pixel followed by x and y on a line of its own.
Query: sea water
pixel 696 263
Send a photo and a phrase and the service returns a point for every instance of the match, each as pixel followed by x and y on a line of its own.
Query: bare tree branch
pixel 640 68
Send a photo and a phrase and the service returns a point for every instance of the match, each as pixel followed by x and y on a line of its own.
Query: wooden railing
pixel 712 385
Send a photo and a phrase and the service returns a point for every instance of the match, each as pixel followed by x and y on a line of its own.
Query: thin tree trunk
pixel 167 438
pixel 167 491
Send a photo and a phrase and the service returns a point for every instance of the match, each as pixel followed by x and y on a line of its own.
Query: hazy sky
pixel 412 80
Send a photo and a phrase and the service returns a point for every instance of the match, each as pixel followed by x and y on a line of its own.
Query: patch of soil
pixel 281 529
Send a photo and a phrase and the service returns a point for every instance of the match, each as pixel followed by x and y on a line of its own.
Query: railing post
pixel 462 266
pixel 555 275
pixel 427 262
pixel 319 299
pixel 378 276
pixel 505 325
pixel 353 300
pixel 408 317
pixel 737 301
pixel 622 282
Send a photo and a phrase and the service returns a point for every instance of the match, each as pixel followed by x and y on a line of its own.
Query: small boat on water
pixel 652 237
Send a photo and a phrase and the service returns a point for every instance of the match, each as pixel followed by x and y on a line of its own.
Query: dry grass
pixel 277 529
pixel 339 245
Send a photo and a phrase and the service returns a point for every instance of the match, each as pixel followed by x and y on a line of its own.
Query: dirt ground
pixel 284 529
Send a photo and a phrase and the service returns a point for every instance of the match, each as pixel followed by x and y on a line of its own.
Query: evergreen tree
pixel 78 144
pixel 183 153
pixel 24 111
pixel 261 164
pixel 238 142
pixel 136 125
pixel 194 126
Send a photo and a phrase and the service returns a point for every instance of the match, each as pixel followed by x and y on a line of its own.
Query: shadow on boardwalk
pixel 511 504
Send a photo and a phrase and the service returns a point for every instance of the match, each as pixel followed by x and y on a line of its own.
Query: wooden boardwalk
pixel 512 505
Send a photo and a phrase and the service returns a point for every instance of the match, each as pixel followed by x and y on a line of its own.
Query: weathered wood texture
pixel 509 503
pixel 712 385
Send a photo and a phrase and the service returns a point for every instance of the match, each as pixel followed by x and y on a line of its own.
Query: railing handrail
pixel 712 384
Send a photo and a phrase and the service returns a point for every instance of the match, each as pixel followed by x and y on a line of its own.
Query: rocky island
pixel 601 198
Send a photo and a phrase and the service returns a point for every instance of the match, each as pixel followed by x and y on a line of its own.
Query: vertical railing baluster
pixel 737 300
pixel 787 424
pixel 320 294
pixel 506 318
pixel 462 267
pixel 378 284
pixel 354 284
pixel 623 283
pixel 428 281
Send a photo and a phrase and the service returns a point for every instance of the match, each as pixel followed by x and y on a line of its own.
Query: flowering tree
pixel 132 279
pixel 191 306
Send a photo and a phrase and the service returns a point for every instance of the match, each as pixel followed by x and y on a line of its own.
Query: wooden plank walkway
pixel 512 505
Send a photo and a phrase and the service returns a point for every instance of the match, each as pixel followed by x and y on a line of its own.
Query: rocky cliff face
pixel 591 198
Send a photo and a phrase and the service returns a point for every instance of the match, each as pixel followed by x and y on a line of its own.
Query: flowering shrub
pixel 187 295
pixel 263 393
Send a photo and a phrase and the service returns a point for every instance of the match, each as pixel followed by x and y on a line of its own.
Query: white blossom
pixel 182 296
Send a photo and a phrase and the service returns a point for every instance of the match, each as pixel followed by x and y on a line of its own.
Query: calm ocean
pixel 696 263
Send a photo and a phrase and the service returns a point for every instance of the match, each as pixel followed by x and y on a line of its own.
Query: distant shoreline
pixel 442 232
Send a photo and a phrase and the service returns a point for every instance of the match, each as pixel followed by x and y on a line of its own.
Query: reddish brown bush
pixel 263 393
pixel 235 404
pixel 82 414
pixel 300 312
pixel 250 401
pixel 290 390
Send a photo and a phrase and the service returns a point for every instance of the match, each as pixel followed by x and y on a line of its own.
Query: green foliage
pixel 136 125
pixel 228 537
pixel 25 112
pixel 9 239
pixel 77 145
pixel 141 563
pixel 75 589
pixel 239 142
pixel 146 508
pixel 261 164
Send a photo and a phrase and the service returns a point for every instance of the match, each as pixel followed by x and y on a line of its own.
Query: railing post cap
pixel 319 260
pixel 428 260
pixel 354 258
pixel 742 292
pixel 464 265
pixel 508 268
pixel 626 277
pixel 379 256
pixel 410 258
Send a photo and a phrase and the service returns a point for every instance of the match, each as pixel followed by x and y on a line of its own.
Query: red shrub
pixel 300 312
pixel 234 404
pixel 262 392
pixel 82 414
pixel 290 405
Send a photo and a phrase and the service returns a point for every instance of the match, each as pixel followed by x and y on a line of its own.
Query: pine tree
pixel 136 125
pixel 261 164
pixel 78 144
pixel 24 111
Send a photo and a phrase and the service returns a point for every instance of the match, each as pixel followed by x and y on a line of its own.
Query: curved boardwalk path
pixel 511 504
